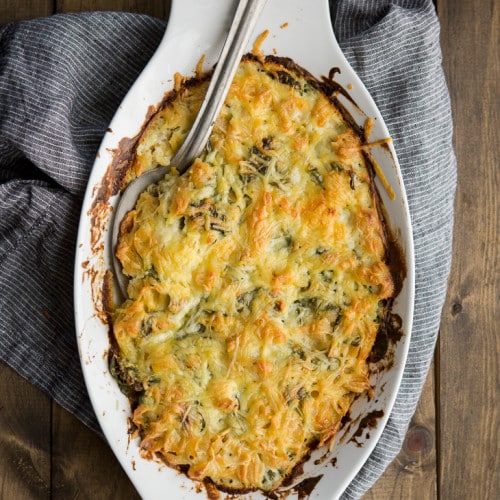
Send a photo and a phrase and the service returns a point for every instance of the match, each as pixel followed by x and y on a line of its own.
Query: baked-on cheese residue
pixel 257 281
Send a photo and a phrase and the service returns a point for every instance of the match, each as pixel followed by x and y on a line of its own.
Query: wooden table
pixel 451 449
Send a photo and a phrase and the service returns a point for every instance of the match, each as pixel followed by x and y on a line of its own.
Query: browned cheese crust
pixel 258 281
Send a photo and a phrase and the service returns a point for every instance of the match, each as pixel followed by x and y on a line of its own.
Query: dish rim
pixel 148 90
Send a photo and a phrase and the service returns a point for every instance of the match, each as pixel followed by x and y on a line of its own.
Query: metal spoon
pixel 237 39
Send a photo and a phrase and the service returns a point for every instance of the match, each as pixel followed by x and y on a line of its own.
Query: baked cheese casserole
pixel 258 280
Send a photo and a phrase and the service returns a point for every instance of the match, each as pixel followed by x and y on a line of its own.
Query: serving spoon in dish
pixel 238 37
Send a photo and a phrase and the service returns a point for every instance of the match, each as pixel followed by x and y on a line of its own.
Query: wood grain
pixel 469 341
pixel 13 10
pixel 154 8
pixel 83 465
pixel 413 473
pixel 25 438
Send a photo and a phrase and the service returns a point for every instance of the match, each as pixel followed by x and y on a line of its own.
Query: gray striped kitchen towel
pixel 62 78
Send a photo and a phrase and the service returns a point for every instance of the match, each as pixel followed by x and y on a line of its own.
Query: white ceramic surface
pixel 301 30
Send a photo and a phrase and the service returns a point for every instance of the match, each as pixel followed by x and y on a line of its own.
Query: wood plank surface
pixel 451 448
pixel 83 465
pixel 469 342
pixel 25 439
pixel 413 473
pixel 14 10
pixel 155 8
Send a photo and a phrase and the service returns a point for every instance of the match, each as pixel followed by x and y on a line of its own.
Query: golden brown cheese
pixel 257 281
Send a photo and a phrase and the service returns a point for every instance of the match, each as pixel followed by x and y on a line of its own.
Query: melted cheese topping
pixel 257 282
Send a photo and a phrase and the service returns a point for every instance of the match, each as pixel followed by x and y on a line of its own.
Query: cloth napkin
pixel 61 80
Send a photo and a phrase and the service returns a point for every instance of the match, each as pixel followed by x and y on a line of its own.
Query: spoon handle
pixel 244 21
